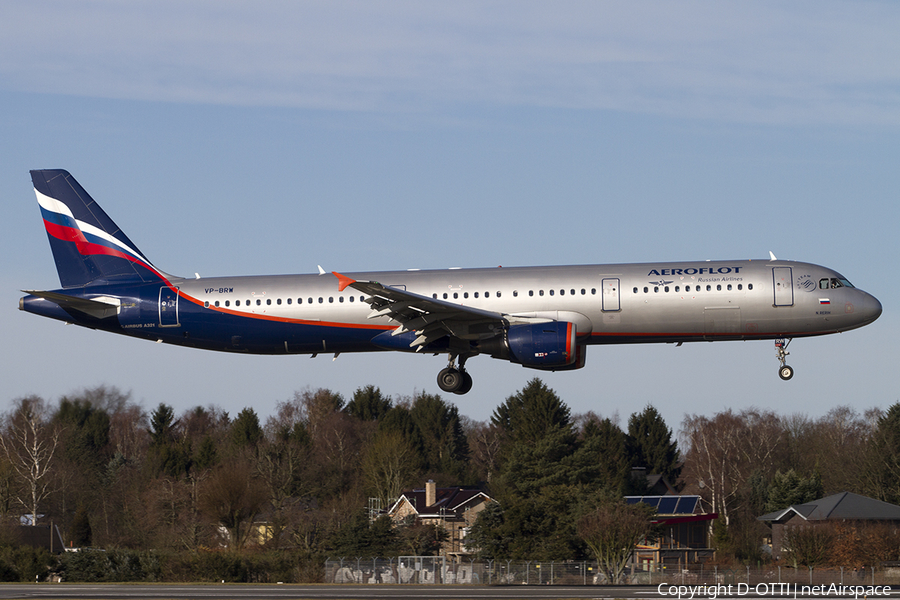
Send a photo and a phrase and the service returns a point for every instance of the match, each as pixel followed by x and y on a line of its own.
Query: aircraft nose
pixel 869 309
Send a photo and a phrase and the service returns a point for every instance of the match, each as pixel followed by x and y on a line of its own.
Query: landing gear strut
pixel 781 353
pixel 453 380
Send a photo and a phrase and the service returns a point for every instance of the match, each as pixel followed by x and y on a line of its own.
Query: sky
pixel 235 138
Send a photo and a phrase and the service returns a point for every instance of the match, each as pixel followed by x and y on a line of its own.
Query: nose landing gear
pixel 453 380
pixel 784 371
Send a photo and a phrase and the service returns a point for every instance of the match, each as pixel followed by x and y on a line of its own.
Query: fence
pixel 438 570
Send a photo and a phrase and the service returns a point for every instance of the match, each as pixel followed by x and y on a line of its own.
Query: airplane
pixel 540 317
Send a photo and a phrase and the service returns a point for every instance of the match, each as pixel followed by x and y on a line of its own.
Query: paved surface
pixel 409 592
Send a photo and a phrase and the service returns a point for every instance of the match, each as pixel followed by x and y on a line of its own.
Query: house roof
pixel 843 506
pixel 668 504
pixel 446 500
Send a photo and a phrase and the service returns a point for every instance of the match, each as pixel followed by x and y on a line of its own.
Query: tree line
pixel 190 486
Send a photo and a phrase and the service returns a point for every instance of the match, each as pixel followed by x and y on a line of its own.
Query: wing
pixel 430 318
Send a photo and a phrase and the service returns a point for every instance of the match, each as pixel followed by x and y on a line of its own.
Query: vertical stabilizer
pixel 89 248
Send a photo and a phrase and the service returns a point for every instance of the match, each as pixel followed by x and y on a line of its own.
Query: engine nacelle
pixel 543 345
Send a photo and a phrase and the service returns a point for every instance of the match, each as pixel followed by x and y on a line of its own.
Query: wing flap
pixel 430 318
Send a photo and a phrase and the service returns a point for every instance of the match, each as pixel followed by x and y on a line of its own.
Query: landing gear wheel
pixel 450 380
pixel 466 384
pixel 781 353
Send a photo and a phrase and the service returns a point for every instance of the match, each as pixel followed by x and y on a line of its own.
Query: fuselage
pixel 539 317
pixel 617 303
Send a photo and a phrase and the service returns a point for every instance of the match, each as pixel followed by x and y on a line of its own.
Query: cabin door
pixel 784 288
pixel 610 298
pixel 168 307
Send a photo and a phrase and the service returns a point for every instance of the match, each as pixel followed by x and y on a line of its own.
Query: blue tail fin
pixel 87 246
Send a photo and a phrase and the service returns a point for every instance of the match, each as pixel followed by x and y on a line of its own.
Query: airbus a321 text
pixel 539 317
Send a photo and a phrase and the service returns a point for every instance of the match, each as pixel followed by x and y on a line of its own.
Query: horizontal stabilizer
pixel 100 307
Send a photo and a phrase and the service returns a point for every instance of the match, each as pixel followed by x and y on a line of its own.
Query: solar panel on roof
pixel 667 505
pixel 687 505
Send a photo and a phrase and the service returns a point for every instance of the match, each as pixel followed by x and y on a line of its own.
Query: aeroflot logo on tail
pixel 695 271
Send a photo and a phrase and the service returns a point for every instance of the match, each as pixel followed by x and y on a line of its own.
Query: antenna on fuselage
pixel 772 256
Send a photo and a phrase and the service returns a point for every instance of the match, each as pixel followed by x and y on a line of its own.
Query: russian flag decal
pixel 824 301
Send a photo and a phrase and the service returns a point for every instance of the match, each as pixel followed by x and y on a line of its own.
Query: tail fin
pixel 87 245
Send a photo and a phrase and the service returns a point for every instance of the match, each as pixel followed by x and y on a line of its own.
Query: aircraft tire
pixel 450 380
pixel 466 384
pixel 786 372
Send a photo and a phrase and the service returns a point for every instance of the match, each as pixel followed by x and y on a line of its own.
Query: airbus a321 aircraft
pixel 539 317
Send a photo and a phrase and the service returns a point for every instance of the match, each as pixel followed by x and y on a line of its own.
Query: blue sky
pixel 226 138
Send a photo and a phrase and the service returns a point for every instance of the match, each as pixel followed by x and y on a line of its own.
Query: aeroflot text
pixel 695 271
pixel 772 589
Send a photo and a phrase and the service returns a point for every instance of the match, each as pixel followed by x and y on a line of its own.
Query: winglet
pixel 343 281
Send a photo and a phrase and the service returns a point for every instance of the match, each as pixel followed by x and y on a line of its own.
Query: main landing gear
pixel 453 380
pixel 781 353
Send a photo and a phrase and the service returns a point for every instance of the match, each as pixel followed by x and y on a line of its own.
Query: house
pixel 41 536
pixel 684 531
pixel 838 507
pixel 454 508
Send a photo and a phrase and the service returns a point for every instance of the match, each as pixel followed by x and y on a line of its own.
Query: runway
pixel 51 591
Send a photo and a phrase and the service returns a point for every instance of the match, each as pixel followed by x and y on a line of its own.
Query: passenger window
pixel 593 291
pixel 646 289
pixel 677 288
pixel 476 294
pixel 667 289
pixel 572 292
pixel 227 303
pixel 551 292
pixel 729 287
pixel 709 288
pixel 749 286
pixel 445 295
pixel 465 294
pixel 498 294
pixel 288 300
pixel 531 292
pixel 309 301
pixel 321 299
pixel 515 293
pixel 583 291
pixel 655 289
pixel 217 304
pixel 206 304
pixel 455 295
pixel 352 298
pixel 278 302
pixel 340 299
pixel 635 290
pixel 258 302
pixel 740 287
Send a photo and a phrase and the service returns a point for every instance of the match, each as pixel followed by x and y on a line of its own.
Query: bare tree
pixel 388 465
pixel 29 443
pixel 612 530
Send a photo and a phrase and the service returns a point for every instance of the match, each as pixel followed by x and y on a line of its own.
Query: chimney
pixel 430 493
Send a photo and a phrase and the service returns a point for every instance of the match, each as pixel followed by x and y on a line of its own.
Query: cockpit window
pixel 834 283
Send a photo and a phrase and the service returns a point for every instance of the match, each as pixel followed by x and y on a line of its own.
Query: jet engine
pixel 547 346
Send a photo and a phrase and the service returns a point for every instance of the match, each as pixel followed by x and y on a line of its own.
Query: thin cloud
pixel 761 62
